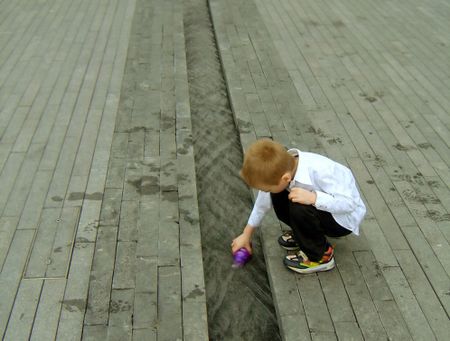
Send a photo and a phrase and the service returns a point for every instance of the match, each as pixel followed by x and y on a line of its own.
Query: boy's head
pixel 268 166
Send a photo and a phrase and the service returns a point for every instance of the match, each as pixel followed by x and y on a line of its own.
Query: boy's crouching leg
pixel 307 230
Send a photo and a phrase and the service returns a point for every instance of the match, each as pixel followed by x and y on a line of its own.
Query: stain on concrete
pixel 167 123
pixel 311 22
pixel 87 196
pixel 169 188
pixel 371 98
pixel 425 145
pixel 403 148
pixel 146 185
pixel 152 166
pixel 420 198
pixel 433 184
pixel 185 197
pixel 416 179
pixel 119 306
pixel 244 126
pixel 336 140
pixel 319 132
pixel 379 161
pixel 338 24
pixel 186 215
pixel 197 292
pixel 76 305
pixel 169 166
pixel 183 178
pixel 171 196
pixel 137 129
pixel 437 216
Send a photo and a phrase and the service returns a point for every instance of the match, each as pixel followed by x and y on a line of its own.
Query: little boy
pixel 315 196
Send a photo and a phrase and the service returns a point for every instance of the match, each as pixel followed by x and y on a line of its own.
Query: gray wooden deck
pixel 97 168
pixel 366 83
pixel 97 174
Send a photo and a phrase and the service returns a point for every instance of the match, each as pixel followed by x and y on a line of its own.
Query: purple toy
pixel 241 257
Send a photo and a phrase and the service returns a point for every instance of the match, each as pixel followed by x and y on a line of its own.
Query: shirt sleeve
pixel 262 205
pixel 336 190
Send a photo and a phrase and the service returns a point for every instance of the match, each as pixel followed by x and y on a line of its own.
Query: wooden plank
pixel 96 332
pixel 22 315
pixel 70 323
pixel 48 311
pixel 11 274
pixel 365 311
pixel 169 230
pixel 31 213
pixel 125 266
pixel 111 205
pixel 424 293
pixel 416 200
pixel 9 174
pixel 144 335
pixel 64 240
pixel 145 314
pixel 294 327
pixel 89 221
pixel 336 298
pixel 133 180
pixel 378 206
pixel 430 264
pixel 407 303
pixel 116 172
pixel 316 311
pixel 169 303
pixel 7 229
pixel 43 243
pixel 120 319
pixel 348 331
pixel 390 315
pixel 393 199
pixel 147 227
pixel 101 276
pixel 129 213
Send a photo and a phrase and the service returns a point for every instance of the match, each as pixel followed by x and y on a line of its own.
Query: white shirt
pixel 334 185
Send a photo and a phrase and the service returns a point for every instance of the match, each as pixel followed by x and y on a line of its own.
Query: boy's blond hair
pixel 265 162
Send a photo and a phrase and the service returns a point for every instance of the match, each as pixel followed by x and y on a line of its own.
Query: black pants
pixel 309 225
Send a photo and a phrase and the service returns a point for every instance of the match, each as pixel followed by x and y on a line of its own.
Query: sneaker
pixel 301 264
pixel 287 241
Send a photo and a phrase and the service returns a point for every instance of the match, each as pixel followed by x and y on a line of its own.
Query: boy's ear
pixel 287 177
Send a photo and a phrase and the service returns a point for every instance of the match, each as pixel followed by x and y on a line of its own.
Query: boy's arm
pixel 338 192
pixel 263 204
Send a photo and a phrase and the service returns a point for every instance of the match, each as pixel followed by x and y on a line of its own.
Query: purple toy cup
pixel 241 257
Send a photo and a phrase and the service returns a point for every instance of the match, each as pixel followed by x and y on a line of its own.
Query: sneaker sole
pixel 290 248
pixel 324 267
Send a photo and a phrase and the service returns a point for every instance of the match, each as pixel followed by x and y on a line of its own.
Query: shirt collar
pixel 302 173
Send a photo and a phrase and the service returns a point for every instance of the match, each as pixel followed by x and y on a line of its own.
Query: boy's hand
pixel 243 240
pixel 302 196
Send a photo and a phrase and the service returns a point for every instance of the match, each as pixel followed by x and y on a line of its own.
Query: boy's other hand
pixel 302 196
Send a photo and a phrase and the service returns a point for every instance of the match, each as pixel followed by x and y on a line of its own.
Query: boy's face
pixel 283 184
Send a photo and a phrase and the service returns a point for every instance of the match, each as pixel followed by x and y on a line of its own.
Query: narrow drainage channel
pixel 239 302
